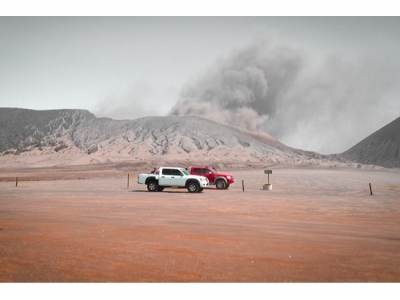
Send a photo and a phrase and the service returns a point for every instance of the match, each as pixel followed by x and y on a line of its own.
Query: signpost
pixel 268 172
pixel 267 186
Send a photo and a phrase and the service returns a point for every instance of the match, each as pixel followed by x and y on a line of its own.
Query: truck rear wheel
pixel 220 184
pixel 193 187
pixel 152 186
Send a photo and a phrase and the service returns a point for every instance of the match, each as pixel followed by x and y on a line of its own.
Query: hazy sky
pixel 315 83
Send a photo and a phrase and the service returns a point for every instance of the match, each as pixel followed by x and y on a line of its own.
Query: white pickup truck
pixel 173 177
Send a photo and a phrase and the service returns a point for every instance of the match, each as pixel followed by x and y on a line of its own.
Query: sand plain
pixel 317 224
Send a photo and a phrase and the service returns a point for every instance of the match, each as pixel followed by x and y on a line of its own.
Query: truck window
pixel 167 171
pixel 176 172
pixel 200 171
pixel 197 171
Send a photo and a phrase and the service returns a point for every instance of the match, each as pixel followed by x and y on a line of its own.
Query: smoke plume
pixel 275 89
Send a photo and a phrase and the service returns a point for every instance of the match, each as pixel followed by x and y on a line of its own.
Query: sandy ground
pixel 85 225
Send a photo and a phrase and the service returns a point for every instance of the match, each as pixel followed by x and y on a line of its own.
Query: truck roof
pixel 201 167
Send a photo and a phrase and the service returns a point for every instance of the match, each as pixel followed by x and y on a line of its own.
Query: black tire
pixel 152 186
pixel 227 186
pixel 200 190
pixel 193 187
pixel 220 184
pixel 160 188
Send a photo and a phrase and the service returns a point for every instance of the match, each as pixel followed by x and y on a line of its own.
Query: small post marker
pixel 127 186
pixel 16 182
pixel 243 185
pixel 370 188
pixel 267 186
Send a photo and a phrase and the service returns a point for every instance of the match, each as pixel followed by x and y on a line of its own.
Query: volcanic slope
pixel 78 137
pixel 382 148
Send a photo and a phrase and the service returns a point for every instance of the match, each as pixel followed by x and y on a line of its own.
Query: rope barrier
pixel 323 185
pixel 254 183
pixel 388 186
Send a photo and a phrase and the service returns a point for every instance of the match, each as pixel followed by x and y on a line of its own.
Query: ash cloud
pixel 275 89
pixel 243 90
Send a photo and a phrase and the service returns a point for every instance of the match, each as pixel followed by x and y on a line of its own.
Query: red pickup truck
pixel 220 180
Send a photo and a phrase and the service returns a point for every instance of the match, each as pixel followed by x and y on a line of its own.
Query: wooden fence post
pixel 370 188
pixel 243 185
pixel 16 182
pixel 127 186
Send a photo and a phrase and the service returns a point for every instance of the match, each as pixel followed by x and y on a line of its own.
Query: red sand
pixel 316 225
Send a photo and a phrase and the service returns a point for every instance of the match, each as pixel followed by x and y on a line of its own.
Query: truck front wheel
pixel 152 186
pixel 193 187
pixel 220 184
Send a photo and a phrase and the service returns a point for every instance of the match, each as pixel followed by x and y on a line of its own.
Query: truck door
pixel 177 178
pixel 165 177
pixel 205 173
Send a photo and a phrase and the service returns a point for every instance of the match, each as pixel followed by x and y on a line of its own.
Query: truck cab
pixel 220 180
pixel 171 177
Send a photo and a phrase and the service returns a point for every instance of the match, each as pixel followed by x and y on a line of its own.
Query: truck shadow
pixel 177 191
pixel 183 191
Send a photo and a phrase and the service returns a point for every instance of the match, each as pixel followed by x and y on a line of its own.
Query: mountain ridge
pixel 76 136
pixel 25 132
pixel 381 148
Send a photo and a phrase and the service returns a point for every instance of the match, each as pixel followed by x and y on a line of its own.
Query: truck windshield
pixel 185 172
pixel 213 170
